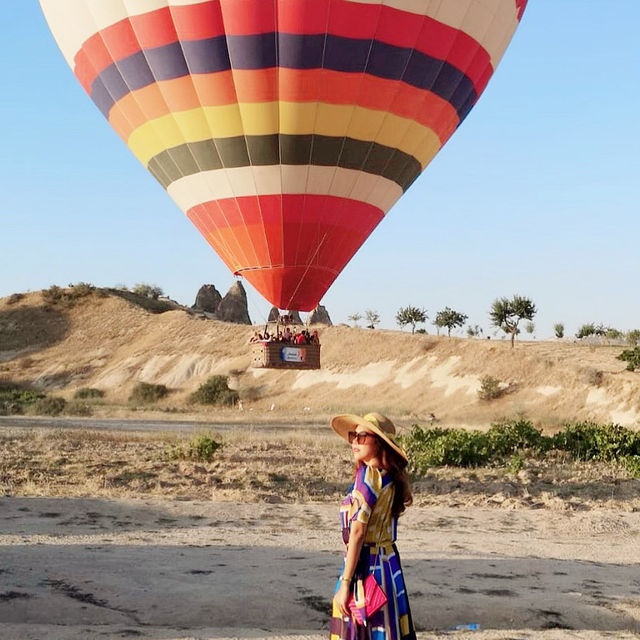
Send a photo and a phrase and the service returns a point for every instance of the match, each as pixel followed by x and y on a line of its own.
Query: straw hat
pixel 373 422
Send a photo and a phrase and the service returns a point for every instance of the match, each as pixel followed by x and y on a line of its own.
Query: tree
pixel 591 329
pixel 506 314
pixel 355 318
pixel 474 331
pixel 411 315
pixel 586 330
pixel 633 336
pixel 558 329
pixel 450 319
pixel 530 327
pixel 372 318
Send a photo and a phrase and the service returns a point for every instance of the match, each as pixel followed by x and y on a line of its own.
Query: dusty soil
pixel 115 535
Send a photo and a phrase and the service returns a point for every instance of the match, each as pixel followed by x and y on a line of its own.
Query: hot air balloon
pixel 284 129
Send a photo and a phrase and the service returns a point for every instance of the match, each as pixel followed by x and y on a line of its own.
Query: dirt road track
pixel 187 426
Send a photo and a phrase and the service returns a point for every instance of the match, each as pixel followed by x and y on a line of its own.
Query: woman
pixel 379 494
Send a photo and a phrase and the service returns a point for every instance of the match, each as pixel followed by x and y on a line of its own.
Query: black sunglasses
pixel 360 438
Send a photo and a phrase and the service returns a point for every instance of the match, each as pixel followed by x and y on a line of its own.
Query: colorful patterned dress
pixel 369 501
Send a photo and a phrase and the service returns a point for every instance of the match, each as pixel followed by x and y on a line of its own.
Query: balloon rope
pixel 304 275
pixel 255 301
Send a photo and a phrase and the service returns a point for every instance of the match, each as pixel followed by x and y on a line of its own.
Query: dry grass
pixel 278 467
pixel 274 468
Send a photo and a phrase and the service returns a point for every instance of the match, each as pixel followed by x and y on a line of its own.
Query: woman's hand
pixel 341 598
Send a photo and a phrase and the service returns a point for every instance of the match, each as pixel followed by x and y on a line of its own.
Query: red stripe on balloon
pixel 245 17
pixel 300 242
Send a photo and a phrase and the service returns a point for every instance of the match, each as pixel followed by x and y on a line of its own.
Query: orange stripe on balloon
pixel 288 85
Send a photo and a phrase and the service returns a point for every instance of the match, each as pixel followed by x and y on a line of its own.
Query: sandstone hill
pixel 109 342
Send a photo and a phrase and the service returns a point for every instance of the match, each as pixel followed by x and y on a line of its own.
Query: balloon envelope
pixel 284 129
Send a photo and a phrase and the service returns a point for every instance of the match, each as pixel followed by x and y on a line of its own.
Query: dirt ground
pixel 114 535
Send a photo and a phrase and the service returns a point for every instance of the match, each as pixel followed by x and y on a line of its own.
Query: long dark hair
pixel 396 465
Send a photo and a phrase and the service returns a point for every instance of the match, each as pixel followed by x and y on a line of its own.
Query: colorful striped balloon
pixel 284 129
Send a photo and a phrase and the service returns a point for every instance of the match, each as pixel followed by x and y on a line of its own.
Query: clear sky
pixel 537 193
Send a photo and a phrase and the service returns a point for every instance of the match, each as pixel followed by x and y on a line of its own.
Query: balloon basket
pixel 276 355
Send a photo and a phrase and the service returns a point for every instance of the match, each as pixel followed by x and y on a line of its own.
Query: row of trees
pixel 505 314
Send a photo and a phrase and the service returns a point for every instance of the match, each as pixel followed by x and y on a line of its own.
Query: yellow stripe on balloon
pixel 226 121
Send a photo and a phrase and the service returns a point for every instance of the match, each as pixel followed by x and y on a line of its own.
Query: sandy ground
pixel 85 568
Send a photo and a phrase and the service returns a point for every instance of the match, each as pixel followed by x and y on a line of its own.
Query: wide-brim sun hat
pixel 373 422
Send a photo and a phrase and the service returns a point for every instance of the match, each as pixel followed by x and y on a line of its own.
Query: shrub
pixel 592 441
pixel 633 337
pixel 632 465
pixel 202 447
pixel 56 295
pixel 144 392
pixel 490 388
pixel 15 297
pixel 215 391
pixel 586 330
pixel 510 436
pixel 510 442
pixel 147 290
pixel 88 393
pixel 558 329
pixel 439 447
pixel 81 289
pixel 631 357
pixel 14 398
pixel 49 406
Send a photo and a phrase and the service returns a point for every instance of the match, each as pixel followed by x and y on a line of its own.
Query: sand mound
pixel 108 342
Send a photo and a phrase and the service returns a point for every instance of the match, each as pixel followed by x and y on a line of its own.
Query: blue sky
pixel 537 193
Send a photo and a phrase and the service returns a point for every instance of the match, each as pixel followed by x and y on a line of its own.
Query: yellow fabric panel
pixel 238 119
pixel 298 117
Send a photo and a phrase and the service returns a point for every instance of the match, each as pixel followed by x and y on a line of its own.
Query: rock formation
pixel 320 316
pixel 233 307
pixel 208 299
pixel 274 314
pixel 295 316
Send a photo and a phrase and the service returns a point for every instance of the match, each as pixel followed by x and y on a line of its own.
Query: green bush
pixel 490 388
pixel 88 393
pixel 441 447
pixel 631 357
pixel 49 406
pixel 14 398
pixel 511 436
pixel 202 447
pixel 144 392
pixel 510 442
pixel 592 441
pixel 215 391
